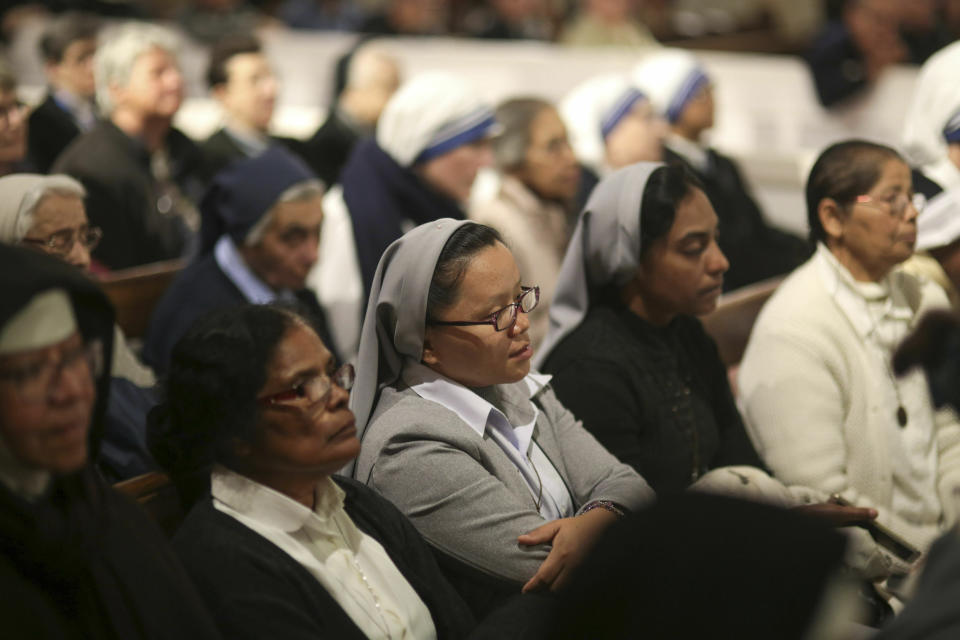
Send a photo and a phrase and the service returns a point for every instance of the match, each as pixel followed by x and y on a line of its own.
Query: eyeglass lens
pixel 527 302
pixel 36 382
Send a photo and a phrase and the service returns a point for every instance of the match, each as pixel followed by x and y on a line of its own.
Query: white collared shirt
pixel 881 315
pixel 235 268
pixel 353 567
pixel 542 478
pixel 689 150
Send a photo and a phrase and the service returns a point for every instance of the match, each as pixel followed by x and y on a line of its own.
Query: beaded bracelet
pixel 609 505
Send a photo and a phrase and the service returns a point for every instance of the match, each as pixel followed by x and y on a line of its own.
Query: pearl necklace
pixel 382 622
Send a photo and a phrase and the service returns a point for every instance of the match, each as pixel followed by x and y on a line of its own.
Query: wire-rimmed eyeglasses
pixel 505 318
pixel 898 205
pixel 62 242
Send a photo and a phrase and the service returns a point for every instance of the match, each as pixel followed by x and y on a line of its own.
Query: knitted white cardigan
pixel 810 394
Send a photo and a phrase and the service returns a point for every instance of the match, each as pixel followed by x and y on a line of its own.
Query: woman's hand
pixel 571 538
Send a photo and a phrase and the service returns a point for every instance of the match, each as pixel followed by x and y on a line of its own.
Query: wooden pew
pixel 731 322
pixel 158 496
pixel 135 292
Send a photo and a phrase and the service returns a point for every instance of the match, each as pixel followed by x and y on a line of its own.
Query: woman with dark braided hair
pixel 254 424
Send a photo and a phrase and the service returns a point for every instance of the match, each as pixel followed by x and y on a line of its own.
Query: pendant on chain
pixel 901 416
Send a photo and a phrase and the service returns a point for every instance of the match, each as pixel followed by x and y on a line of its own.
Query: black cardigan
pixel 656 397
pixel 256 590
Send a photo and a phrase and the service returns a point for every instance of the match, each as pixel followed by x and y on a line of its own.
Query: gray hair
pixel 54 185
pixel 299 192
pixel 515 117
pixel 118 52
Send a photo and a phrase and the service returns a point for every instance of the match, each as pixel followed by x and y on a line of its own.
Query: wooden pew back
pixel 731 322
pixel 158 496
pixel 136 291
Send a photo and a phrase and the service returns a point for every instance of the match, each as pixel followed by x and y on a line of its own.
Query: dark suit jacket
pixel 328 149
pixel 200 288
pixel 122 195
pixel 51 129
pixel 220 149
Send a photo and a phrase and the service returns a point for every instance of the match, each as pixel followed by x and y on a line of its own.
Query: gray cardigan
pixel 465 495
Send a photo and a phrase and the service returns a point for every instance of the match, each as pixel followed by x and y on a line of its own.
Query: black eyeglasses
pixel 505 318
pixel 62 242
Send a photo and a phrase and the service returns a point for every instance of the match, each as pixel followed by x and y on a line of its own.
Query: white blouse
pixel 353 567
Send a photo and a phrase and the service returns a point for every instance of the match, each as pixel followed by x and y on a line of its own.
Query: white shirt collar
pixel 272 508
pixel 689 150
pixel 235 268
pixel 250 142
pixel 856 298
pixel 468 405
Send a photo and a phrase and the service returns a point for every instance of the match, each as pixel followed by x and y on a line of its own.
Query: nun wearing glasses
pixel 820 398
pixel 431 140
pixel 47 214
pixel 461 435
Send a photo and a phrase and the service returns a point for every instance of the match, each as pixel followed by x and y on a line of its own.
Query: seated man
pixel 372 77
pixel 77 560
pixel 139 172
pixel 46 213
pixel 67 46
pixel 261 229
pixel 242 81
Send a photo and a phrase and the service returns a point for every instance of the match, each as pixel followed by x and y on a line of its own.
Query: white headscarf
pixel 19 195
pixel 592 110
pixel 604 249
pixel 397 312
pixel 936 97
pixel 670 79
pixel 939 223
pixel 431 114
pixel 14 224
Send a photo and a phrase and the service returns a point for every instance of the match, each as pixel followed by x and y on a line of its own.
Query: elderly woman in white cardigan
pixel 820 398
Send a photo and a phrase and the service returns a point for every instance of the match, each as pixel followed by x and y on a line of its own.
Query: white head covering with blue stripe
pixel 951 130
pixel 936 96
pixel 592 110
pixel 671 78
pixel 432 114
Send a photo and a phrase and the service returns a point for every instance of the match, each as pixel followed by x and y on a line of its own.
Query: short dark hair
pixel 209 396
pixel 226 48
pixel 666 188
pixel 63 31
pixel 452 264
pixel 843 171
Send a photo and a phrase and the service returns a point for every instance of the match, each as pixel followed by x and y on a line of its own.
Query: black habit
pixel 82 561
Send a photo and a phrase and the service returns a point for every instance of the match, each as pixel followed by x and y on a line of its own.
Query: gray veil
pixel 605 248
pixel 396 313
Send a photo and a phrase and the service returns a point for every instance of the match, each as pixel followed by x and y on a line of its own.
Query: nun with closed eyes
pixel 461 435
